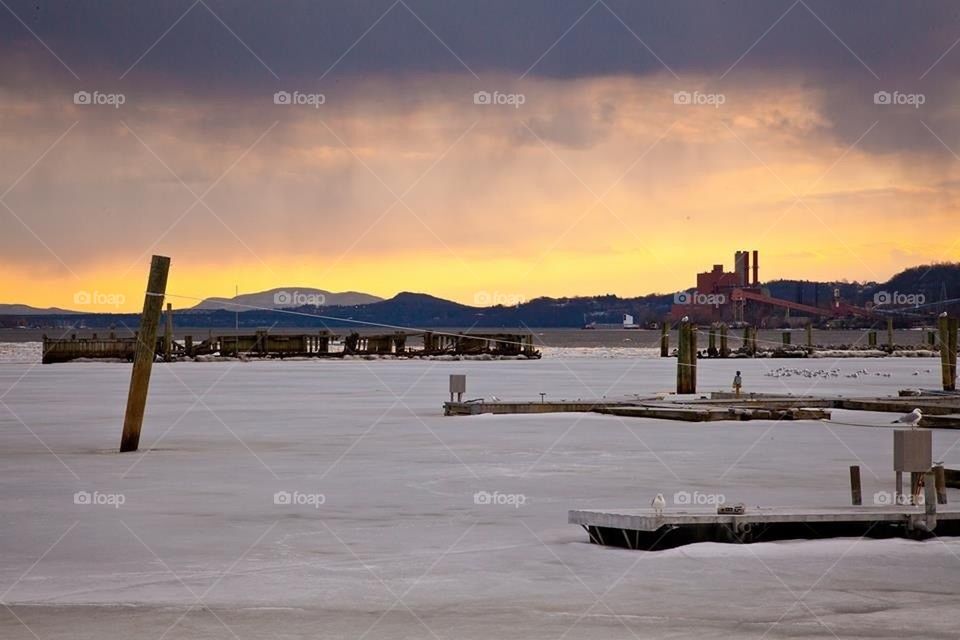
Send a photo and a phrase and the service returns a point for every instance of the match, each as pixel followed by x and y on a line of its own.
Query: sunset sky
pixel 602 181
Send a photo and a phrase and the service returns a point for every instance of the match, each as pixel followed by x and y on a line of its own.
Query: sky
pixel 478 150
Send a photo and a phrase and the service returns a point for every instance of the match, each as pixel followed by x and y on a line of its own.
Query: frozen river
pixel 383 527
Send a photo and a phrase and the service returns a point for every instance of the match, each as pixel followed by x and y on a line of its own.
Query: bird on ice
pixel 912 418
pixel 685 319
pixel 658 503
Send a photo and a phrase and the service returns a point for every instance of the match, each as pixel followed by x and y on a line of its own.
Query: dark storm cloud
pixel 221 50
pixel 305 39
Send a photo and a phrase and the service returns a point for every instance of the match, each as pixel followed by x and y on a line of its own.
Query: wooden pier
pixel 263 344
pixel 644 529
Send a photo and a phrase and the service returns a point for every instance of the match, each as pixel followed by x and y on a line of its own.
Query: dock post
pixel 890 334
pixel 930 500
pixel 786 337
pixel 941 483
pixel 724 349
pixel 188 345
pixel 712 341
pixel 871 338
pixel 746 339
pixel 168 335
pixel 145 353
pixel 665 339
pixel 898 492
pixel 687 359
pixel 916 479
pixel 856 489
pixel 809 330
pixel 948 352
pixel 753 341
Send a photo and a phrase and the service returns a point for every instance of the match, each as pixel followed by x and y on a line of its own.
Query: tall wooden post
pixel 786 337
pixel 746 340
pixel 810 335
pixel 712 341
pixel 724 348
pixel 871 338
pixel 856 489
pixel 948 352
pixel 665 339
pixel 687 359
pixel 890 334
pixel 145 353
pixel 168 335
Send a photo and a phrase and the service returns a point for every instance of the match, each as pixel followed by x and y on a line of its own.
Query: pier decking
pixel 645 530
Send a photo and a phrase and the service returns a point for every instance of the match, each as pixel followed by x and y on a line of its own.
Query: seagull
pixel 685 319
pixel 912 418
pixel 658 503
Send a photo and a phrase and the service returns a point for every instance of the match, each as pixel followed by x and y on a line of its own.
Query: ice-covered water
pixel 384 528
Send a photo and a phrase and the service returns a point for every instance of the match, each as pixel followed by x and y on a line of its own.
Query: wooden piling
pixel 890 334
pixel 665 339
pixel 856 489
pixel 724 348
pixel 168 335
pixel 941 483
pixel 687 359
pixel 948 352
pixel 145 353
pixel 809 330
pixel 712 342
pixel 188 346
pixel 872 338
pixel 786 337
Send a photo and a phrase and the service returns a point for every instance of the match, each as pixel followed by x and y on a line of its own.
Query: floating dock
pixel 941 410
pixel 643 529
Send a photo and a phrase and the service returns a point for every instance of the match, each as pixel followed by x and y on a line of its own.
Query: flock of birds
pixel 795 372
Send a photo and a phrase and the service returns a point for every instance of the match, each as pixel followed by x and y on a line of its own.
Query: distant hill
pixel 287 298
pixel 939 284
pixel 27 310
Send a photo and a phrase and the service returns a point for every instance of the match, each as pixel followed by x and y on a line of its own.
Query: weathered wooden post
pixel 871 338
pixel 786 338
pixel 746 339
pixel 687 359
pixel 145 353
pixel 948 351
pixel 665 339
pixel 809 330
pixel 890 334
pixel 724 348
pixel 856 490
pixel 753 341
pixel 940 479
pixel 712 341
pixel 168 335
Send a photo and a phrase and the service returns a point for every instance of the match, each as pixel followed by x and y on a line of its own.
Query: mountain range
pixel 938 284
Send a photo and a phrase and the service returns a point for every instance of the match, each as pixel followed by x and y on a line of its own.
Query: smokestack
pixel 756 268
pixel 746 269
